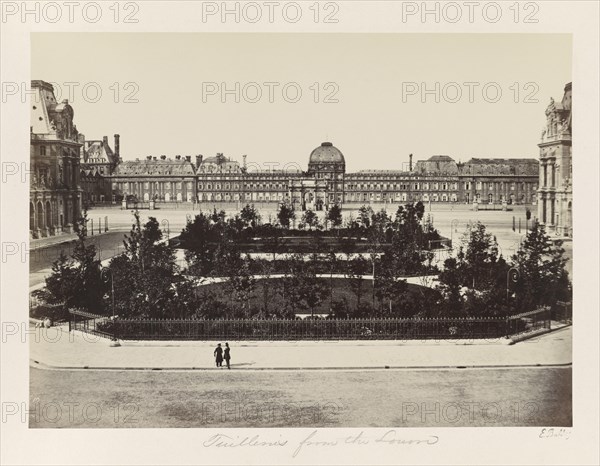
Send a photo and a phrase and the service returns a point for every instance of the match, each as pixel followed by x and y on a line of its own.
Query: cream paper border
pixel 21 445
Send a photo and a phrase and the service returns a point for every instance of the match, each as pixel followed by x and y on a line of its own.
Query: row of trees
pixel 403 240
pixel 286 215
pixel 148 282
pixel 480 281
pixel 145 277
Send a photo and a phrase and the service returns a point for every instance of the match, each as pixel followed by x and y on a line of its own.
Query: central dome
pixel 326 153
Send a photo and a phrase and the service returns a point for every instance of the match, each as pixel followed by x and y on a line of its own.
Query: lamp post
pixel 332 258
pixel 374 258
pixel 453 229
pixel 513 275
pixel 165 222
pixel 105 275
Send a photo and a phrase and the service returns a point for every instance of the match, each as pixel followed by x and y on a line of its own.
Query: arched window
pixel 48 214
pixel 31 217
pixel 40 215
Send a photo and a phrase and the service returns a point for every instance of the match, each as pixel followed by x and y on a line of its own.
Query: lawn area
pixel 338 289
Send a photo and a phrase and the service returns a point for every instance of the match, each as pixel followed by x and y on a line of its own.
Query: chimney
pixel 117 146
pixel 410 162
pixel 163 157
pixel 178 157
pixel 154 158
pixel 199 160
pixel 149 157
pixel 188 158
pixel 244 157
pixel 105 140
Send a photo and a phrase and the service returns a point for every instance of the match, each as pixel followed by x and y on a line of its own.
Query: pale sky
pixel 370 124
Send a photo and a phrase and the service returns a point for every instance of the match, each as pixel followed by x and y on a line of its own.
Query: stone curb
pixel 528 336
pixel 42 365
pixel 297 343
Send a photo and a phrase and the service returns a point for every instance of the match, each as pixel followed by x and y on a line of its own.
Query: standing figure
pixel 218 353
pixel 227 355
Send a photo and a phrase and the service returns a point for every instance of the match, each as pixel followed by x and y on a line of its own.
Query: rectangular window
pixel 42 150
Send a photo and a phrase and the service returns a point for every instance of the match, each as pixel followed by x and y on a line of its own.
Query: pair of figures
pixel 221 354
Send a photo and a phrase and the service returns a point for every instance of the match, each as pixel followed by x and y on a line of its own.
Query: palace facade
pixel 69 172
pixel 55 194
pixel 220 179
pixel 98 161
pixel 555 208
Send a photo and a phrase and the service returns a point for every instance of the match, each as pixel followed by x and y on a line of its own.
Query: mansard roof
pixel 440 158
pixel 147 167
pixel 219 164
pixel 499 166
pixel 437 164
pixel 478 160
pixel 50 119
pixel 98 152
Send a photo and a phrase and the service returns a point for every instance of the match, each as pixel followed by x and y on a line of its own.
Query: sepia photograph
pixel 296 243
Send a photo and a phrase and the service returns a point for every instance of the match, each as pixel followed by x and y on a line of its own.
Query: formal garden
pixel 245 277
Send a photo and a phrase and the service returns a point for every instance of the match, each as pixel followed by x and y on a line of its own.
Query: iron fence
pixel 563 312
pixel 314 329
pixel 40 309
pixel 89 323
